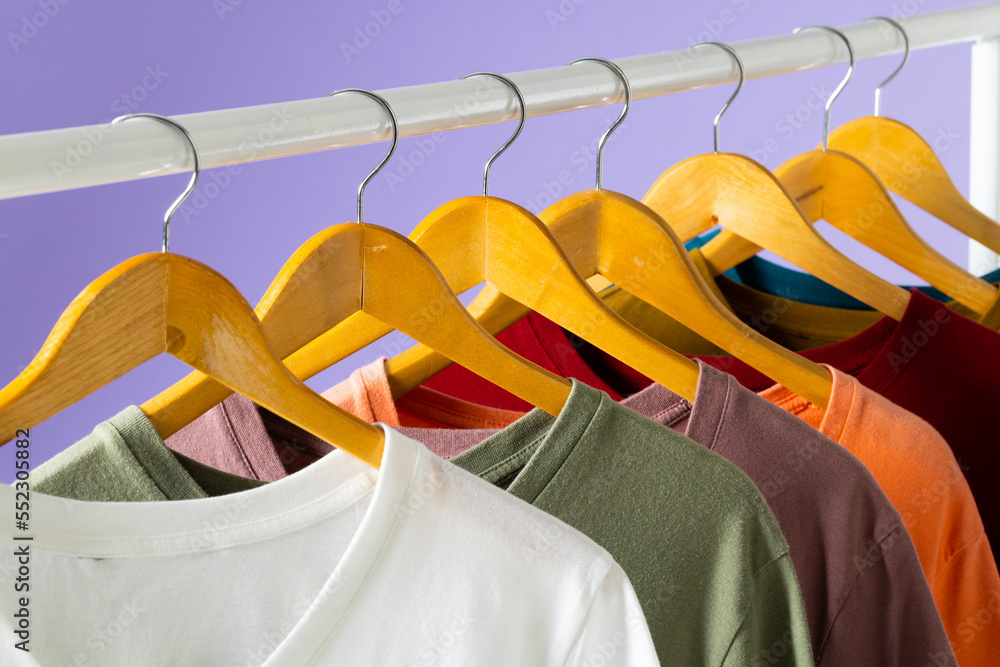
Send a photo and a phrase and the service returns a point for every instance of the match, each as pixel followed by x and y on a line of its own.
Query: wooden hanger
pixel 476 239
pixel 746 199
pixel 363 270
pixel 162 302
pixel 613 236
pixel 908 166
pixel 839 189
pixel 610 235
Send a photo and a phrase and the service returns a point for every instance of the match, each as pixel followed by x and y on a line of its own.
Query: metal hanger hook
pixel 906 57
pixel 392 147
pixel 840 86
pixel 517 132
pixel 194 176
pixel 739 86
pixel 614 126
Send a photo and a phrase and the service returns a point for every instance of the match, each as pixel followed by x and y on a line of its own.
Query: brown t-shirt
pixel 867 600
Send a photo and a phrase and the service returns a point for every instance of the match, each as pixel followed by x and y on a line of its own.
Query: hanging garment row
pixel 640 444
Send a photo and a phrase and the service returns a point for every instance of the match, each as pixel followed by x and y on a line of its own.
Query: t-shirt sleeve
pixel 774 630
pixel 972 609
pixel 613 631
pixel 904 628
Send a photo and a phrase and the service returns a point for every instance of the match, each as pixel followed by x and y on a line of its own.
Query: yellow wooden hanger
pixel 746 199
pixel 839 189
pixel 477 239
pixel 163 302
pixel 907 165
pixel 611 235
pixel 358 269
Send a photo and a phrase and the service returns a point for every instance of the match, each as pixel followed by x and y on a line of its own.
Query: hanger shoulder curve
pixel 839 189
pixel 431 314
pixel 526 268
pixel 287 311
pixel 641 254
pixel 725 183
pixel 907 164
pixel 161 302
pixel 382 283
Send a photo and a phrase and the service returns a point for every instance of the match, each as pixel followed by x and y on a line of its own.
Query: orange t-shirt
pixel 918 472
pixel 366 394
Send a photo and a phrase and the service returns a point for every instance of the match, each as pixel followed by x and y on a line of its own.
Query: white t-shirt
pixel 420 563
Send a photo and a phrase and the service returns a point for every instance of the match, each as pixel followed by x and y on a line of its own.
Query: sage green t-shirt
pixel 125 460
pixel 702 549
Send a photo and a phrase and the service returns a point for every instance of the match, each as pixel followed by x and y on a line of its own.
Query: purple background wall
pixel 90 62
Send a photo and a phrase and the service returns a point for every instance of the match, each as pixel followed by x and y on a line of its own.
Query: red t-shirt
pixel 935 363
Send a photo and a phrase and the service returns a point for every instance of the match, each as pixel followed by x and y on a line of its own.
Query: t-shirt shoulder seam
pixel 783 556
pixel 967 546
pixel 878 546
pixel 595 582
pixel 235 440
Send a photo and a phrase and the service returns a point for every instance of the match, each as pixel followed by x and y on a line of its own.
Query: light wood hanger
pixel 542 279
pixel 162 302
pixel 908 166
pixel 747 200
pixel 477 239
pixel 839 189
pixel 613 236
pixel 385 277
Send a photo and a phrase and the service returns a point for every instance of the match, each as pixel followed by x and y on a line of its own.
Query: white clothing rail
pixel 55 160
pixel 984 149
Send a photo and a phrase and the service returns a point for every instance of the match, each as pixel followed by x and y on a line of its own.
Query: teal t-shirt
pixel 771 278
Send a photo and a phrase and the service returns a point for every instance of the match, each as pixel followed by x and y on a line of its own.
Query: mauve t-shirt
pixel 867 600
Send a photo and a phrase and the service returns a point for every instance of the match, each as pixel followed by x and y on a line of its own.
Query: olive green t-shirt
pixel 696 538
pixel 125 460
pixel 702 549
